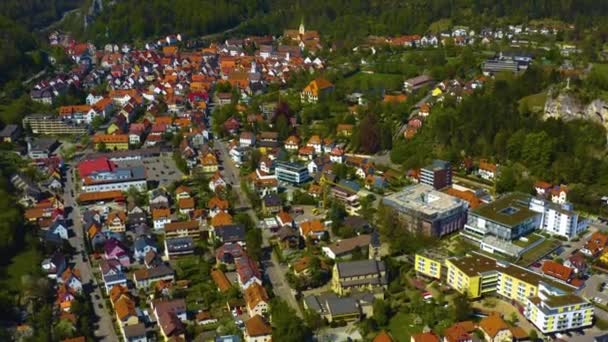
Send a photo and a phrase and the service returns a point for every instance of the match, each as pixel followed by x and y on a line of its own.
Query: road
pixel 274 270
pixel 105 326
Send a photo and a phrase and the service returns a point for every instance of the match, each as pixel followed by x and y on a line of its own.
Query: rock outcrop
pixel 567 107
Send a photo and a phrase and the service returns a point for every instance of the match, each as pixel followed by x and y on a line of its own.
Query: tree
pixel 287 326
pixel 461 308
pixel 254 241
pixel 369 135
pixel 382 312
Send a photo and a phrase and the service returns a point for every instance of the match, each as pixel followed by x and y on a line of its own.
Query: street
pixel 104 326
pixel 274 270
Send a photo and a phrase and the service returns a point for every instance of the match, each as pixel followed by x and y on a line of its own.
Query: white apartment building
pixel 554 310
pixel 558 219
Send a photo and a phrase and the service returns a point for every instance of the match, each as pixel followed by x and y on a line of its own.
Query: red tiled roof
pixel 557 270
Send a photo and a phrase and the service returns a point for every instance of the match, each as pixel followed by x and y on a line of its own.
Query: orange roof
pixel 221 219
pixel 468 196
pixel 313 226
pixel 124 308
pixel 485 165
pixel 209 159
pixel 110 138
pixel 458 331
pixel 167 120
pixel 542 185
pixel 169 50
pixel 492 325
pixel 394 98
pixel 100 196
pixel 257 326
pixel 118 291
pixel 255 294
pixel 182 225
pixel 102 104
pixel 293 140
pixel 219 203
pixel 285 217
pixel 159 213
pixel 34 213
pixel 220 280
pixel 425 337
pixel 186 203
pixel 69 110
pixel 557 270
pixel 115 214
pixel 315 139
pixel 383 336
pixel 306 150
pixel 317 85
pixel 183 188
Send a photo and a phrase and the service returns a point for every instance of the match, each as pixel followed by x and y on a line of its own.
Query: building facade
pixel 293 173
pixel 558 219
pixel 421 209
pixel 438 174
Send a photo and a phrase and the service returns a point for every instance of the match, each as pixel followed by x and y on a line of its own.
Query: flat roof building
pixel 438 174
pixel 420 208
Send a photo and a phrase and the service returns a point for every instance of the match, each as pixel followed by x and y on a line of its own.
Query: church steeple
pixel 302 30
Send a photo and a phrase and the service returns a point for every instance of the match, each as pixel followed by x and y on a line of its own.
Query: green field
pixel 363 81
pixel 402 327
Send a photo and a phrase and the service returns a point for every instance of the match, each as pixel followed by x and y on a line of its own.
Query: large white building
pixel 558 219
pixel 554 310
pixel 117 179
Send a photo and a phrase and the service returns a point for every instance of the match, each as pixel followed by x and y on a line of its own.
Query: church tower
pixel 302 30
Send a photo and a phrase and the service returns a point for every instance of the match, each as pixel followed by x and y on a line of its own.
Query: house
pixel 425 337
pixel 60 229
pixel 292 143
pixel 343 248
pixel 179 246
pixel 228 253
pixel 344 130
pixel 248 272
pixel 189 228
pixel 271 204
pixel 205 318
pixel 209 163
pixel 247 139
pixel 257 300
pixel 54 266
pixel 230 233
pixel 126 312
pixel 595 245
pixel 116 221
pixel 71 279
pixel 114 249
pixel 42 148
pixel 183 192
pixel 577 262
pixel 134 333
pixel 487 170
pixel 358 275
pixel 220 280
pixel 176 307
pixel 216 206
pixel 285 220
pixel 96 236
pixel 315 90
pixel 10 133
pixel 185 206
pixel 144 278
pixel 160 218
pixel 557 270
pixel 459 332
pixel 217 182
pixel 416 83
pixel 142 246
pixel 112 274
pixel 495 329
pixel 257 330
pixel 542 188
pixel 316 143
pixel 313 228
pixel 171 327
pixel 112 142
pixel 559 194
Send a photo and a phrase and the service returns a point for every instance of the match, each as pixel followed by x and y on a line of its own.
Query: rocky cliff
pixel 567 107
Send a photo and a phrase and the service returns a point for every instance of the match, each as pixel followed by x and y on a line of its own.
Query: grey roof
pixel 272 200
pixel 134 331
pixel 179 244
pixel 342 306
pixel 115 279
pixel 8 130
pixel 230 233
pixel 360 267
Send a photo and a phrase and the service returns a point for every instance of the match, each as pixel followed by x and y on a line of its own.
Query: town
pixel 260 188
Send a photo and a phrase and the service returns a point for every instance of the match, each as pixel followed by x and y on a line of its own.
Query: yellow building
pixel 604 258
pixel 473 275
pixel 112 142
pixel 429 265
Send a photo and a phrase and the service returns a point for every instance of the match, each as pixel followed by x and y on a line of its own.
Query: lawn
pixel 402 326
pixel 533 103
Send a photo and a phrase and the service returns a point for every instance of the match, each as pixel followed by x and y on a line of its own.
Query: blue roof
pixel 350 185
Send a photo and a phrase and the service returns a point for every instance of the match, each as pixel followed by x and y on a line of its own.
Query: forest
pixel 340 19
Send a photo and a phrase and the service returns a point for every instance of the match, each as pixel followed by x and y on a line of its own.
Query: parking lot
pixel 161 169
